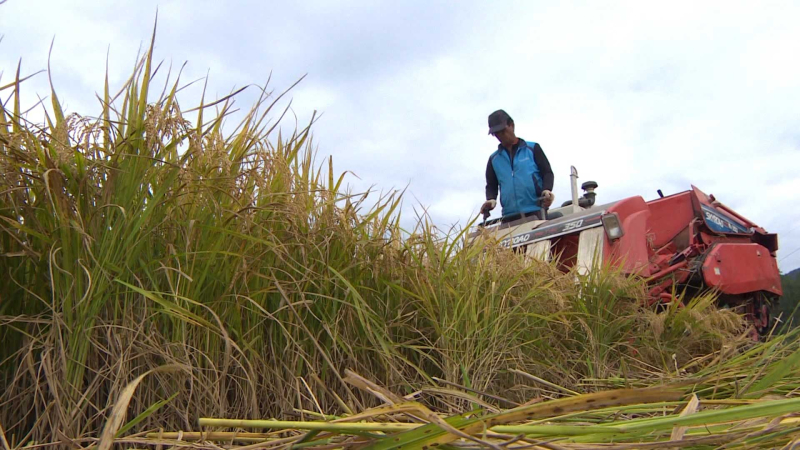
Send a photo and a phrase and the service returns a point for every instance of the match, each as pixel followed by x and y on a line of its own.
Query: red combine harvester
pixel 683 243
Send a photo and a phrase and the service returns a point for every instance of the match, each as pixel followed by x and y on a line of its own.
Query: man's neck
pixel 511 147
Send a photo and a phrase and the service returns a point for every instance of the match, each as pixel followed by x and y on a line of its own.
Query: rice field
pixel 174 280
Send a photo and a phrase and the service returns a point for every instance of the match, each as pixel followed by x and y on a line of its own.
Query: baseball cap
pixel 498 120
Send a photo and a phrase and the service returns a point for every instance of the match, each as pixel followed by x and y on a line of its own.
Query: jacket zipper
pixel 514 183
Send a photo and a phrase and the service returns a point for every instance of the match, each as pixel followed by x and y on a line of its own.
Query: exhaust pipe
pixel 573 179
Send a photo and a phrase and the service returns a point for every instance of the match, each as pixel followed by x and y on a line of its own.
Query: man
pixel 520 170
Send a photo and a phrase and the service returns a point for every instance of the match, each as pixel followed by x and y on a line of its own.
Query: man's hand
pixel 488 205
pixel 547 198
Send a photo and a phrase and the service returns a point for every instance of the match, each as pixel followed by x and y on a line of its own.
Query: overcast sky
pixel 639 96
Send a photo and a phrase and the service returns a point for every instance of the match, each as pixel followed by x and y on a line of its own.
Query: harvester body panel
pixel 740 269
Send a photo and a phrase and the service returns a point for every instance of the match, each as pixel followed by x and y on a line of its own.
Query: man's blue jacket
pixel 521 175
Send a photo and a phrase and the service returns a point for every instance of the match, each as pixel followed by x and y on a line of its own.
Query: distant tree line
pixel 787 307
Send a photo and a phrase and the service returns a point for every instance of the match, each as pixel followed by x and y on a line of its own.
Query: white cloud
pixel 638 96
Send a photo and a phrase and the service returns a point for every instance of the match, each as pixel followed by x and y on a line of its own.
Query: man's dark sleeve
pixel 491 182
pixel 544 168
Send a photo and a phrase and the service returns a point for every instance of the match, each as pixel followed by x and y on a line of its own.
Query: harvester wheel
pixel 758 313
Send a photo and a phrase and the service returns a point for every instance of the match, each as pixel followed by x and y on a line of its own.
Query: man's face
pixel 506 136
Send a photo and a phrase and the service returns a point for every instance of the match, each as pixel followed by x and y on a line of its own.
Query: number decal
pixel 573 225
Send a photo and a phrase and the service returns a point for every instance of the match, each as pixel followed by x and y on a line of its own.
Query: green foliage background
pixel 788 306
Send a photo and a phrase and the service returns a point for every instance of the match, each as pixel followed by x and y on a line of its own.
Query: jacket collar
pixel 520 143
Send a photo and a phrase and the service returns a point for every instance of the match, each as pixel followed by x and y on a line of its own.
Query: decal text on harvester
pixel 721 223
pixel 554 230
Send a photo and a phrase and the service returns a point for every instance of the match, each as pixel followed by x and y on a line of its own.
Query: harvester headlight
pixel 612 226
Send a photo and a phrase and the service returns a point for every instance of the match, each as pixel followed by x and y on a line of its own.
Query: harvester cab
pixel 686 243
